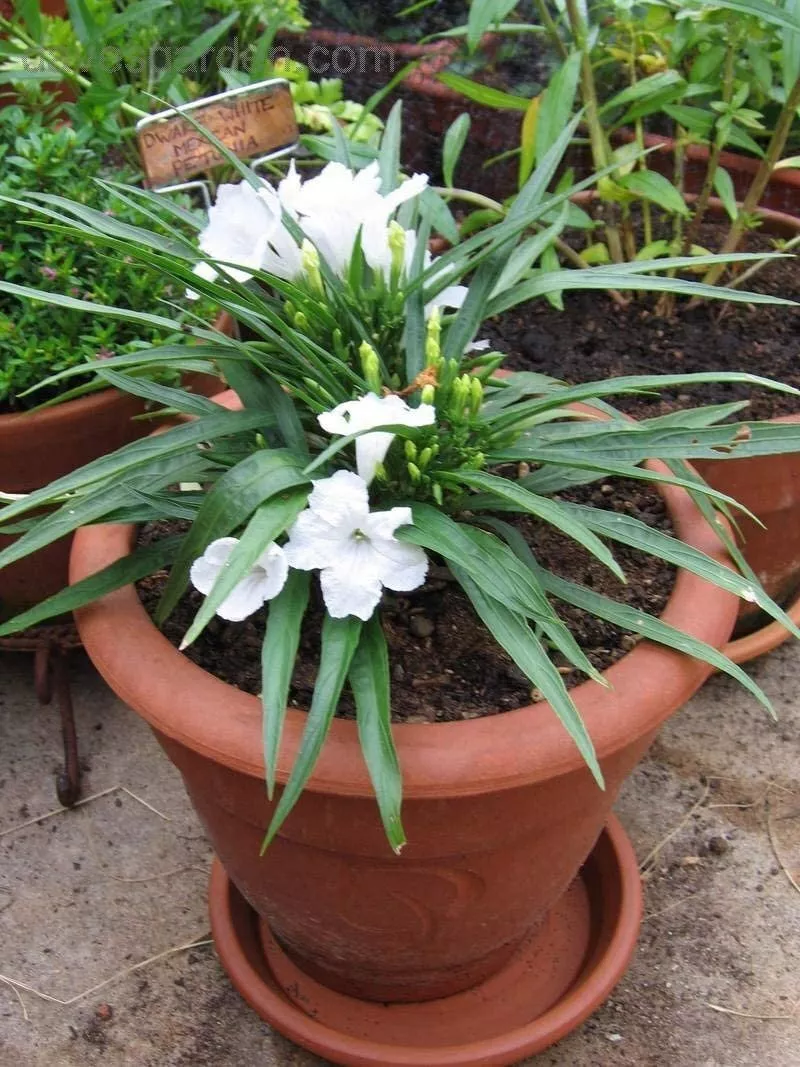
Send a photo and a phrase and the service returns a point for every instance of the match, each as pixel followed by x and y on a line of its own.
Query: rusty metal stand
pixel 51 645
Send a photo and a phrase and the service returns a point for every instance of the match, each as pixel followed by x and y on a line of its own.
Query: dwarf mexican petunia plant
pixel 375 437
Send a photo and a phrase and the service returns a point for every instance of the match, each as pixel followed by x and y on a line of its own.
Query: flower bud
pixel 476 396
pixel 301 321
pixel 433 346
pixel 425 456
pixel 411 451
pixel 438 495
pixel 371 367
pixel 380 474
pixel 309 257
pixel 397 245
pixel 414 473
pixel 428 394
pixel 478 462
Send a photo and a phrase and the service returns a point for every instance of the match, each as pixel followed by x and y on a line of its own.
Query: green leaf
pixel 278 655
pixel 139 456
pixel 550 511
pixel 513 634
pixel 483 94
pixel 474 309
pixel 84 510
pixel 192 52
pixel 266 524
pixel 391 143
pixel 177 399
pixel 30 13
pixel 637 534
pixel 557 103
pixel 340 639
pixel 767 10
pixel 628 618
pixel 653 186
pixel 140 564
pixel 495 569
pixel 227 506
pixel 369 680
pixel 723 184
pixel 646 87
pixel 454 140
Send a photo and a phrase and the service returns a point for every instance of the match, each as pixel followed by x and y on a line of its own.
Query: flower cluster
pixel 353 548
pixel 335 211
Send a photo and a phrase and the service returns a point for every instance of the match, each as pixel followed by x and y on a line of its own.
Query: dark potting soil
pixel 593 339
pixel 385 20
pixel 445 665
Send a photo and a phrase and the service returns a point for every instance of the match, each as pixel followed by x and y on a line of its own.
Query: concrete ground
pixel 85 896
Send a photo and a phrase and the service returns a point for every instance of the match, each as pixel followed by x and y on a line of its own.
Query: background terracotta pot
pixel 769 486
pixel 429 106
pixel 500 811
pixel 39 446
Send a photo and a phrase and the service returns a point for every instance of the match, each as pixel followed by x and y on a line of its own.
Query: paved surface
pixel 87 895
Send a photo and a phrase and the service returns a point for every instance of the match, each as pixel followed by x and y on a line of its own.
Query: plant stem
pixel 701 207
pixel 601 151
pixel 552 29
pixel 745 276
pixel 759 184
pixel 478 199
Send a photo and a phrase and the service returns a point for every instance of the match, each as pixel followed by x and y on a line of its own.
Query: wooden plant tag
pixel 255 120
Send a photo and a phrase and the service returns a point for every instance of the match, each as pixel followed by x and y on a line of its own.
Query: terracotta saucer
pixel 558 977
pixel 768 638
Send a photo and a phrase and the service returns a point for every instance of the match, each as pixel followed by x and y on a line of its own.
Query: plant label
pixel 253 121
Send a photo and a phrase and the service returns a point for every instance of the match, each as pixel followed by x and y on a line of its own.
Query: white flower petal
pixel 371 450
pixel 341 500
pixel 312 541
pixel 244 601
pixel 451 297
pixel 351 587
pixel 274 567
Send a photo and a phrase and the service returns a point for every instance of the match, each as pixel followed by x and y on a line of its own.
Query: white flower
pixel 265 580
pixel 245 227
pixel 354 549
pixel 366 412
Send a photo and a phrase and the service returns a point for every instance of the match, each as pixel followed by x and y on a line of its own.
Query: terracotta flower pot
pixel 370 951
pixel 38 447
pixel 769 486
pixel 782 192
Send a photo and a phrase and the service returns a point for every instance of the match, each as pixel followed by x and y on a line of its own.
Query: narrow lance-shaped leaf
pixel 139 564
pixel 629 618
pixel 340 639
pixel 655 542
pixel 513 633
pixel 369 680
pixel 550 511
pixel 278 655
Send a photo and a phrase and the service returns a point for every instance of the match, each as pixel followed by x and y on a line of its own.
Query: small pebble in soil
pixel 420 626
pixel 718 845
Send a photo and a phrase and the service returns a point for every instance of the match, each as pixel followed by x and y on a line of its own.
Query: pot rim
pixel 465 758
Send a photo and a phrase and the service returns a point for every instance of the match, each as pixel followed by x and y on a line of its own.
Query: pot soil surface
pixel 445 665
pixel 593 338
